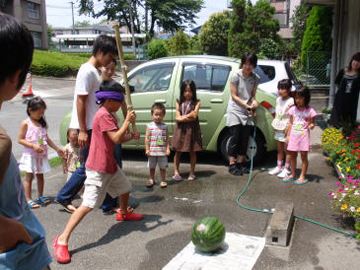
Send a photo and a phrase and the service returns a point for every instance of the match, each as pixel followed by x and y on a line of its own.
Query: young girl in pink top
pixel 302 120
pixel 34 160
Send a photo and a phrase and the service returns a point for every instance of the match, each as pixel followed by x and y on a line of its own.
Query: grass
pixel 54 162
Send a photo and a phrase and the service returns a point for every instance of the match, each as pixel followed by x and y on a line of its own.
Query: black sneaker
pixel 234 170
pixel 243 167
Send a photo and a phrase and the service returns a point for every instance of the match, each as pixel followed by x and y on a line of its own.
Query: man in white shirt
pixel 84 108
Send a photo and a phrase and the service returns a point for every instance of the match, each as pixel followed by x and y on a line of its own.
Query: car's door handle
pixel 160 100
pixel 216 100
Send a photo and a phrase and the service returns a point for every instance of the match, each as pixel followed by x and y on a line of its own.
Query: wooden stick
pixel 124 72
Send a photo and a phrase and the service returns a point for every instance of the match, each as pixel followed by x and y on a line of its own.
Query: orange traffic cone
pixel 29 92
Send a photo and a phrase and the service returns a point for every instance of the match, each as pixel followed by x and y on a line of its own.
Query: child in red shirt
pixel 102 171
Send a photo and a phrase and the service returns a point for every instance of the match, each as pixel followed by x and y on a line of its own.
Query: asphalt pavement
pixel 101 242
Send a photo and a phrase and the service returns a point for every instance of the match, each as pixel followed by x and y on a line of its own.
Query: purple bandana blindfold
pixel 102 95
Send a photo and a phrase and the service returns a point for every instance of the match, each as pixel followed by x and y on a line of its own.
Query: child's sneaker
pixel 129 216
pixel 275 171
pixel 284 173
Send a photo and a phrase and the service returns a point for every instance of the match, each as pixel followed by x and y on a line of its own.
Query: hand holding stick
pixel 124 73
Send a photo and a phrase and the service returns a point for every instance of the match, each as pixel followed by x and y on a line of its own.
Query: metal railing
pixel 317 69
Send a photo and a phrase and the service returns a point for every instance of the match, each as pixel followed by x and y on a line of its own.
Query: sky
pixel 58 12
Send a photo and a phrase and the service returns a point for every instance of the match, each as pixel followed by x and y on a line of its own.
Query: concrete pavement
pixel 101 242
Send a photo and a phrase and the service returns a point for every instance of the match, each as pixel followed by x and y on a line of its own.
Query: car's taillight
pixel 269 107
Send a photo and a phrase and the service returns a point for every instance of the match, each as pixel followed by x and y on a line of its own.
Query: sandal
pixel 163 184
pixel 177 177
pixel 44 200
pixel 289 179
pixel 300 182
pixel 150 183
pixel 33 204
pixel 68 209
pixel 61 252
pixel 192 177
pixel 129 209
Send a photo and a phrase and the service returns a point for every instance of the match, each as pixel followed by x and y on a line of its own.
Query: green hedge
pixel 56 64
pixel 157 49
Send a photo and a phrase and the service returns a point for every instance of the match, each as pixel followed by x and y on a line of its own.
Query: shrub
pixel 214 34
pixel 56 64
pixel 157 49
pixel 195 46
pixel 317 35
pixel 270 49
pixel 47 63
pixel 179 44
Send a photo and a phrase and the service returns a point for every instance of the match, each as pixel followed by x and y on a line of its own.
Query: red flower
pixel 356 145
pixel 353 152
pixel 358 166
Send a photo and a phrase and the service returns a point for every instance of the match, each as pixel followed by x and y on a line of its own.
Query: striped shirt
pixel 157 139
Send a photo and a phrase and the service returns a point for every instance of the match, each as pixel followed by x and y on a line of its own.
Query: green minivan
pixel 159 81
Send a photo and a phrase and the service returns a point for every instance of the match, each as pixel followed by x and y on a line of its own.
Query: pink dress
pixel 32 161
pixel 299 139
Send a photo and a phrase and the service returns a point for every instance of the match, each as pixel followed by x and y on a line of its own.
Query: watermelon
pixel 208 234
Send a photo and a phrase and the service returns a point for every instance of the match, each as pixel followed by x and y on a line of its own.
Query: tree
pixel 50 34
pixel 214 34
pixel 168 14
pixel 317 35
pixel 179 44
pixel 84 23
pixel 250 25
pixel 157 49
pixel 298 28
pixel 195 46
pixel 270 49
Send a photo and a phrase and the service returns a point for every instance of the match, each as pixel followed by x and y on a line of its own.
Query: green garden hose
pixel 242 192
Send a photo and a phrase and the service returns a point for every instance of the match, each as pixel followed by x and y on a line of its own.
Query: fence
pixel 317 69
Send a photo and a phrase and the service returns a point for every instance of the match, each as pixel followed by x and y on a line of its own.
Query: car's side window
pixel 266 73
pixel 211 77
pixel 152 78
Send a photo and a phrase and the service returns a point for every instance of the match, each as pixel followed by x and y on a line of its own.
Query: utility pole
pixel 132 28
pixel 73 22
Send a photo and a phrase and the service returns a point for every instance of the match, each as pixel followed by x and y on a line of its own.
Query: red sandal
pixel 61 252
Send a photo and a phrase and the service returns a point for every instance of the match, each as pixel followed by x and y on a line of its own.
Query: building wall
pixel 346 37
pixel 37 26
pixel 293 5
pixel 349 34
pixel 284 9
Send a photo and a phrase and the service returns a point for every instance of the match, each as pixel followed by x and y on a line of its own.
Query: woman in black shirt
pixel 346 98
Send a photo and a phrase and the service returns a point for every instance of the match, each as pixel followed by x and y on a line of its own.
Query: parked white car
pixel 271 72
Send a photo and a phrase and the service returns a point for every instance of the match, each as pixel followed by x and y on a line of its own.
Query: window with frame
pixel 33 10
pixel 152 78
pixel 266 73
pixel 211 77
pixel 37 39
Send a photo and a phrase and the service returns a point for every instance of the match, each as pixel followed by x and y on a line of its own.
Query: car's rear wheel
pixel 258 148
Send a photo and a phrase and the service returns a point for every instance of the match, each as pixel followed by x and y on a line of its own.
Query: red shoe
pixel 129 216
pixel 62 254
